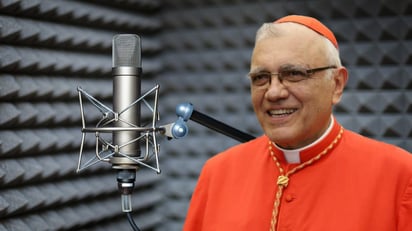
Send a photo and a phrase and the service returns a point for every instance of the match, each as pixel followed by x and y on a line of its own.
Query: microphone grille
pixel 126 50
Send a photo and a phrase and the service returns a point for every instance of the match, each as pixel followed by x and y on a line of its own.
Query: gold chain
pixel 283 179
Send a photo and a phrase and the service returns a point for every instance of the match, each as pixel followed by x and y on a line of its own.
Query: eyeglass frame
pixel 308 73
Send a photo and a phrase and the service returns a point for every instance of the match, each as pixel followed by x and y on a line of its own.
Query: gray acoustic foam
pixel 47 50
pixel 198 52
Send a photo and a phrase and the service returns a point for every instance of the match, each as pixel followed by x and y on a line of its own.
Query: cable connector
pixel 125 184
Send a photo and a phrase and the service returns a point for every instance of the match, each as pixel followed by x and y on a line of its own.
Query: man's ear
pixel 340 77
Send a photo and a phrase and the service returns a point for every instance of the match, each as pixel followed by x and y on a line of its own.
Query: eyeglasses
pixel 286 75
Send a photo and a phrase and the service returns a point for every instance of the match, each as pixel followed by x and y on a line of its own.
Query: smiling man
pixel 306 172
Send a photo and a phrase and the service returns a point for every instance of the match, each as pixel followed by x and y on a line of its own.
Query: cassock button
pixel 289 198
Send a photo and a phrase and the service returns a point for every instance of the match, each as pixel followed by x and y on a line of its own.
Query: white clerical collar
pixel 292 156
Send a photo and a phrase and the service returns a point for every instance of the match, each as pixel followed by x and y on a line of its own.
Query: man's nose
pixel 276 89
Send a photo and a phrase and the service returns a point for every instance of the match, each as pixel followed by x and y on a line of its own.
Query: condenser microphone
pixel 126 69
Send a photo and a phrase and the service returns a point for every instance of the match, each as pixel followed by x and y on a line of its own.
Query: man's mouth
pixel 281 112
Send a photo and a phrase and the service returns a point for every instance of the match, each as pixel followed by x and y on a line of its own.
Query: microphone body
pixel 126 89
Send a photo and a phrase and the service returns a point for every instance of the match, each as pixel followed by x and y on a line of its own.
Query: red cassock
pixel 359 184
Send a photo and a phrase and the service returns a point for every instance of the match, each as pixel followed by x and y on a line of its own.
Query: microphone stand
pixel 185 111
pixel 220 127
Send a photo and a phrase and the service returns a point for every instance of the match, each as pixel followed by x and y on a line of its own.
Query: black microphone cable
pixel 131 221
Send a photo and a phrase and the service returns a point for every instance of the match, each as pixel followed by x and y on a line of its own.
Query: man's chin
pixel 282 137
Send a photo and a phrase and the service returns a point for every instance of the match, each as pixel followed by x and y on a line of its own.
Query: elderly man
pixel 306 172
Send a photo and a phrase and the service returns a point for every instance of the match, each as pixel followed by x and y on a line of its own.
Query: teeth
pixel 281 111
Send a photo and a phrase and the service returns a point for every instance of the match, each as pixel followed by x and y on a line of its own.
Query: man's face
pixel 294 114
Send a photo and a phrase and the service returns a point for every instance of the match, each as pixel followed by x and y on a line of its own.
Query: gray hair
pixel 271 30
